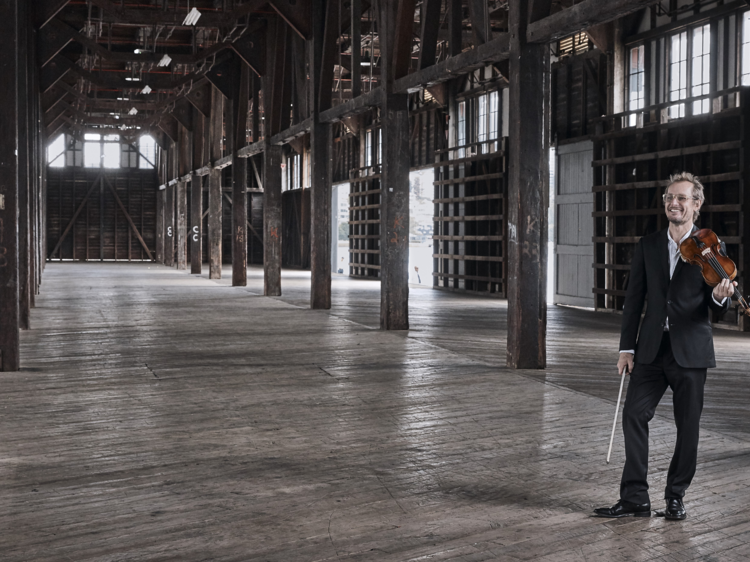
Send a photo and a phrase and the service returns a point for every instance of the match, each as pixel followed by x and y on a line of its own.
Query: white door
pixel 574 203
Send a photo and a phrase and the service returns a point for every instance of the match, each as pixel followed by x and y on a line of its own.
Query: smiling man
pixel 673 348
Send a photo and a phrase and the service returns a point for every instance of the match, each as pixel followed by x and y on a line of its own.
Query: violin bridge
pixel 706 251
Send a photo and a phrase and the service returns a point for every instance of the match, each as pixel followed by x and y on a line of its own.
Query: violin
pixel 703 248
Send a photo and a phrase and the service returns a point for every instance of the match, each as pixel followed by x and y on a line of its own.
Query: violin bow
pixel 617 411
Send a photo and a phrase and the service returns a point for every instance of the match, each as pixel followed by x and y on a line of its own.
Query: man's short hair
pixel 697 188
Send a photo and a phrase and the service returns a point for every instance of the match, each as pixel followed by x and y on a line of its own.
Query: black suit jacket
pixel 686 300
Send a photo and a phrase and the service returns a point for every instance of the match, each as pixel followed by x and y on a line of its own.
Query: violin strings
pixel 720 270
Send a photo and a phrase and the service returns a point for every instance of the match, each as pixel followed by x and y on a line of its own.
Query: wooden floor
pixel 163 416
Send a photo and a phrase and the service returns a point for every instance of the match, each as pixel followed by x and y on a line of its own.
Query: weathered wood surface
pixel 140 433
pixel 528 190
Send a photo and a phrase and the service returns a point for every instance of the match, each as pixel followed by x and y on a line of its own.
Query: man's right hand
pixel 625 362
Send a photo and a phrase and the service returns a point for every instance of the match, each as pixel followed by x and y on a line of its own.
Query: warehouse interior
pixel 342 279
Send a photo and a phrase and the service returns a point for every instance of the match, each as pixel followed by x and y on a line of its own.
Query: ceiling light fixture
pixel 165 60
pixel 133 111
pixel 147 90
pixel 192 17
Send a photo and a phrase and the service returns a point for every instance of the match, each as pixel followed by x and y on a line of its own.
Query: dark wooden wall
pixel 101 229
pixel 579 94
pixel 295 233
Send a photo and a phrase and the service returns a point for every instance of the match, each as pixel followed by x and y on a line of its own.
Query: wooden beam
pixel 580 17
pixel 195 236
pixel 214 185
pixel 539 9
pixel 49 44
pixel 455 27
pixel 169 208
pixel 170 126
pixel 360 104
pixel 403 38
pixel 183 112
pixel 45 10
pixel 221 76
pixel 252 50
pixel 480 21
pixel 356 38
pixel 52 73
pixel 272 159
pixel 328 56
pixel 528 194
pixel 185 161
pixel 201 99
pixel 496 50
pixel 430 27
pixel 75 216
pixel 297 15
pixel 129 219
pixel 238 128
pixel 320 178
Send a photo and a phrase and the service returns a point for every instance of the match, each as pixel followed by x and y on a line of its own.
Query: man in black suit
pixel 673 349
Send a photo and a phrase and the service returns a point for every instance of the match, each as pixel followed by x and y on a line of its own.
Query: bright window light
pixel 92 154
pixel 56 153
pixel 92 137
pixel 111 156
pixel 147 148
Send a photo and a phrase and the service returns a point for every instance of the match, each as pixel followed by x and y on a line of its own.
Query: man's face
pixel 679 204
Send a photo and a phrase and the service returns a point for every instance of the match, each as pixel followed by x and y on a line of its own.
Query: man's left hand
pixel 724 289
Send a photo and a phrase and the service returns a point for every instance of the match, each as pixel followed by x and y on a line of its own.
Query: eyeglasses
pixel 668 198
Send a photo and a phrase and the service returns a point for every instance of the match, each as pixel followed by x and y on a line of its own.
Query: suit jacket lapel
pixel 664 253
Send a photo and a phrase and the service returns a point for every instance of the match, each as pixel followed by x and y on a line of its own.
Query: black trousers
pixel 648 383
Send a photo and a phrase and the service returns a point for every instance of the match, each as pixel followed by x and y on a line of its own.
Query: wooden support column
pixel 272 157
pixel 320 167
pixel 195 236
pixel 528 195
pixel 184 161
pixel 169 233
pixel 272 221
pixel 214 184
pixel 394 198
pixel 161 198
pixel 24 195
pixel 10 359
pixel 240 100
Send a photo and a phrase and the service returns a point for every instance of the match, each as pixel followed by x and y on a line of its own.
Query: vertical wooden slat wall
pixel 469 229
pixel 67 191
pixel 630 173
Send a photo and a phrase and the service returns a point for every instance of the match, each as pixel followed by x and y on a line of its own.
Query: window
pixel 368 149
pixel 693 79
pixel 111 151
pixel 128 155
pixel 101 151
pixel 461 129
pixel 293 172
pixel 92 151
pixel 482 116
pixel 56 153
pixel 701 68
pixel 678 74
pixel 380 146
pixel 636 90
pixel 745 69
pixel 147 149
pixel 494 113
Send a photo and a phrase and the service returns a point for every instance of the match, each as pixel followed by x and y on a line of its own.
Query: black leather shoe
pixel 624 509
pixel 675 510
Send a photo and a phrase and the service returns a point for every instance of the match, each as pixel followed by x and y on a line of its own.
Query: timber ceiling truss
pixel 132 66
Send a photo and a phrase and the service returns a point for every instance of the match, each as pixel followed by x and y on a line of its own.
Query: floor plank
pixel 164 416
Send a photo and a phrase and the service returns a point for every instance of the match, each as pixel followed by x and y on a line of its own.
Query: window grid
pixel 745 69
pixel 678 73
pixel 461 129
pixel 636 89
pixel 701 68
